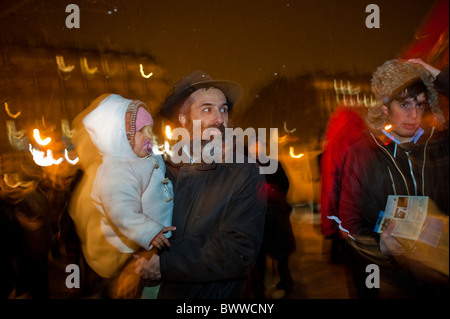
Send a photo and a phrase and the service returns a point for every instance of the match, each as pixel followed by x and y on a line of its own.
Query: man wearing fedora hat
pixel 219 208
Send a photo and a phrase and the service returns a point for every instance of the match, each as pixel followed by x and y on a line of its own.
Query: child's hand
pixel 160 240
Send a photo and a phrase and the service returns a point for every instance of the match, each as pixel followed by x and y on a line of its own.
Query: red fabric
pixel 431 39
pixel 344 127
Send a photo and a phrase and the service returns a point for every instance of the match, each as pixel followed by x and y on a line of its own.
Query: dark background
pixel 286 54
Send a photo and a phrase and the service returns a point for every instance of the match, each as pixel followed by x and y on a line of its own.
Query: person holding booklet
pixel 403 152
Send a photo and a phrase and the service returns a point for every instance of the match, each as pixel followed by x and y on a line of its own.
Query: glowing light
pixel 16 138
pixel 168 132
pixel 9 112
pixel 38 138
pixel 9 183
pixel 13 181
pixel 12 131
pixel 62 65
pixel 141 68
pixel 74 161
pixel 287 137
pixel 162 149
pixel 85 67
pixel 283 139
pixel 66 129
pixel 286 129
pixel 42 159
pixel 387 127
pixel 291 153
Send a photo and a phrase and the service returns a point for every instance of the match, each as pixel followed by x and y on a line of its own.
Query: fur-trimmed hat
pixel 394 76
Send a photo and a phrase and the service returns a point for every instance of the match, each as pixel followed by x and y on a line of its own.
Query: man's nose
pixel 218 117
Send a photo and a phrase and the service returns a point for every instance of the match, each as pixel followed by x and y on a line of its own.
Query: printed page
pixel 409 213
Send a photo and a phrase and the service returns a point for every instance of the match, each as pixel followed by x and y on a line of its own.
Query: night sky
pixel 248 41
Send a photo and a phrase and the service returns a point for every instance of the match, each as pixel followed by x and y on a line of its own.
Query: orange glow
pixel 387 127
pixel 291 153
pixel 38 138
pixel 74 161
pixel 168 132
pixel 42 159
pixel 9 112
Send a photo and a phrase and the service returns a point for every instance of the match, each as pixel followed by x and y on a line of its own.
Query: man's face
pixel 406 116
pixel 210 106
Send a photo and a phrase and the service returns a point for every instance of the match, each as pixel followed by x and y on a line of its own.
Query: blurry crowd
pixel 228 219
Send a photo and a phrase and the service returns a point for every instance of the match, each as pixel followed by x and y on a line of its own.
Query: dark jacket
pixel 373 173
pixel 219 214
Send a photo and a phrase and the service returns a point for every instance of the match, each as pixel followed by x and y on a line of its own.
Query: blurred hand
pixel 388 244
pixel 433 71
pixel 148 268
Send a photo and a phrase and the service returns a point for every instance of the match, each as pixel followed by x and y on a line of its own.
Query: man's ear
pixel 385 110
pixel 182 119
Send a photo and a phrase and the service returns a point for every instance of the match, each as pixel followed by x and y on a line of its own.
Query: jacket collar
pixel 195 166
pixel 413 139
pixel 390 142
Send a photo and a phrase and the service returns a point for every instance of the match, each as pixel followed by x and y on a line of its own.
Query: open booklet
pixel 410 216
pixel 421 228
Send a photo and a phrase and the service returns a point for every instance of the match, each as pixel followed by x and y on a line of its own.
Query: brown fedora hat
pixel 191 83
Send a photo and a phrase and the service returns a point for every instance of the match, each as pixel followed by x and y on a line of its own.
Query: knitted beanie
pixel 143 118
pixel 136 117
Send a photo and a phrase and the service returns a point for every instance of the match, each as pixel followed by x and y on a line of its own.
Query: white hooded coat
pixel 131 193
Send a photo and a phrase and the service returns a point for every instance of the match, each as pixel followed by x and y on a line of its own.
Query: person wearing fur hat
pixel 404 151
pixel 219 208
pixel 123 210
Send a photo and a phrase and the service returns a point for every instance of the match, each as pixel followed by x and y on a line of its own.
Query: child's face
pixel 140 148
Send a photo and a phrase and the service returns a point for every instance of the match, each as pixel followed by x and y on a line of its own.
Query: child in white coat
pixel 130 189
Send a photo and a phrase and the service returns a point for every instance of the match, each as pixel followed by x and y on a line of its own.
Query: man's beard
pixel 203 143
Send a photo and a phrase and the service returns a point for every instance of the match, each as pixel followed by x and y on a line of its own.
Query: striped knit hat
pixel 136 117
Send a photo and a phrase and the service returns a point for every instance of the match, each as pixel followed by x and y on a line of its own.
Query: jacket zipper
pixel 424 159
pixel 403 176
pixel 412 173
pixel 410 165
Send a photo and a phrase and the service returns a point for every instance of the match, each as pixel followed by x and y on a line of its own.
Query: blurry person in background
pixel 123 208
pixel 278 241
pixel 343 128
pixel 36 225
pixel 409 157
pixel 27 228
pixel 219 208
